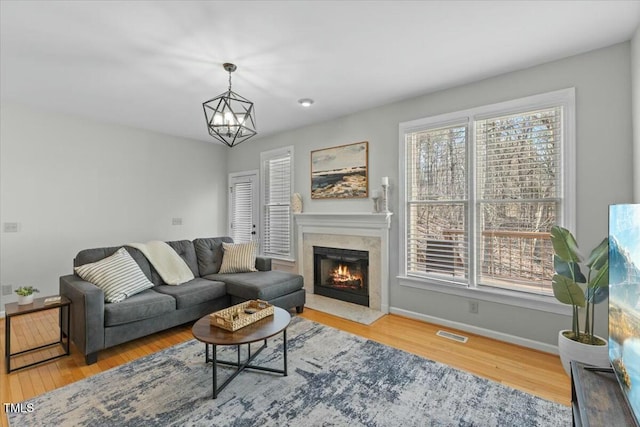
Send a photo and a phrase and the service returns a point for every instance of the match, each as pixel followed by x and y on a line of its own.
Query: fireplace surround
pixel 356 231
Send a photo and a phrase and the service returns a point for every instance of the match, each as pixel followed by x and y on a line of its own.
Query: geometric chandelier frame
pixel 230 117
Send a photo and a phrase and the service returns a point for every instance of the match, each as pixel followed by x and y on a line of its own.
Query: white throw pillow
pixel 238 257
pixel 119 276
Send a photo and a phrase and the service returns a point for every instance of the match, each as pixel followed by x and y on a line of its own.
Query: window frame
pixel 264 157
pixel 567 195
pixel 434 277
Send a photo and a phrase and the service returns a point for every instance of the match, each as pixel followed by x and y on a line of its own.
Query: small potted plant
pixel 571 286
pixel 25 294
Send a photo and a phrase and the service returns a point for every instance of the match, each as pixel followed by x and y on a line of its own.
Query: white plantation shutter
pixel 518 185
pixel 242 212
pixel 437 201
pixel 277 189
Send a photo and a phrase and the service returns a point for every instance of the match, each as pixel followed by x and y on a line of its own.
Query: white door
pixel 243 206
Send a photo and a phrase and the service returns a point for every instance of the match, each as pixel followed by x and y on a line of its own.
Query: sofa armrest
pixel 87 313
pixel 263 263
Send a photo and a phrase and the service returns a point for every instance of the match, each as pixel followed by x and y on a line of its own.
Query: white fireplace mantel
pixel 345 220
pixel 359 225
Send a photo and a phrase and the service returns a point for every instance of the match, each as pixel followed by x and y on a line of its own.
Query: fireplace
pixel 341 274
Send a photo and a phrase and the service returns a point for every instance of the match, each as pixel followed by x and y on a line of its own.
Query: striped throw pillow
pixel 119 276
pixel 238 257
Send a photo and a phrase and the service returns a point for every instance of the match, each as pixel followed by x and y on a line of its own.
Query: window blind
pixel 518 190
pixel 277 198
pixel 242 212
pixel 437 201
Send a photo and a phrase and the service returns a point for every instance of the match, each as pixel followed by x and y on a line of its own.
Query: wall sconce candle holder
pixel 385 194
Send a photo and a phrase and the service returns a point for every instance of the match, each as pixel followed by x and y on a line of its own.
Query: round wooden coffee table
pixel 259 331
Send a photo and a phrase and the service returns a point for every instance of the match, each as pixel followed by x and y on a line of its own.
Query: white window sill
pixel 273 258
pixel 518 299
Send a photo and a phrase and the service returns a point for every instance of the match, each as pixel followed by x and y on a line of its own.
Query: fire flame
pixel 341 275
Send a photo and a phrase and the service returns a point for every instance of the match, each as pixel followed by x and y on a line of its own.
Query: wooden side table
pixel 13 310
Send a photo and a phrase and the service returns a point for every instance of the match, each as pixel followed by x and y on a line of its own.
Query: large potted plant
pixel 570 286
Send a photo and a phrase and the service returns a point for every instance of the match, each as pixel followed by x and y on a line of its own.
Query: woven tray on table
pixel 234 317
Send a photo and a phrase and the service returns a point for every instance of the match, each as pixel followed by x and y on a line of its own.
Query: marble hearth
pixel 356 231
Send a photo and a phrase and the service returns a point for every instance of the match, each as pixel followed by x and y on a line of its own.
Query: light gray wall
pixel 72 183
pixel 635 81
pixel 604 166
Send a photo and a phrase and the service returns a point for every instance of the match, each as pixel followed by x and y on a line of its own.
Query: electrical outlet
pixel 473 307
pixel 6 290
pixel 10 227
pixel 176 221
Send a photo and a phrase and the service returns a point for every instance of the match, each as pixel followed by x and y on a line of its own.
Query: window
pixel 277 185
pixel 482 189
pixel 437 201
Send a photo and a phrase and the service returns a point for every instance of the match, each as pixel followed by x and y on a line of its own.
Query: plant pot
pixel 24 300
pixel 596 355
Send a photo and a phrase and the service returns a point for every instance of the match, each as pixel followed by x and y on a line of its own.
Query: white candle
pixel 376 194
pixel 385 180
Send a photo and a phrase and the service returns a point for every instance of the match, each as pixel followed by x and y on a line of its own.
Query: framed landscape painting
pixel 340 172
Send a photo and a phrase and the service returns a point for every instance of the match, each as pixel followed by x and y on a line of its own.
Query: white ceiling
pixel 151 64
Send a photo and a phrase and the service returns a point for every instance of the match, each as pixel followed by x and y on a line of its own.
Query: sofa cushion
pixel 263 263
pixel 119 276
pixel 238 257
pixel 145 305
pixel 193 292
pixel 87 256
pixel 209 254
pixel 265 285
pixel 156 279
pixel 187 252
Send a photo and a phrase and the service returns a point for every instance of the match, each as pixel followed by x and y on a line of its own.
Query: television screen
pixel 624 300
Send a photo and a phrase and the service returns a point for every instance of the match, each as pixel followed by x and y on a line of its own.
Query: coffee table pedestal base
pixel 241 366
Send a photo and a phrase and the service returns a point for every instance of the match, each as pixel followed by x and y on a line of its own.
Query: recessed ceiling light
pixel 305 102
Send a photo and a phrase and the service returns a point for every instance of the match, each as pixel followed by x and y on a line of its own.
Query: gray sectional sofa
pixel 96 325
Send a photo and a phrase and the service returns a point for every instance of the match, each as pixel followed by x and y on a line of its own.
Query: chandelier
pixel 230 117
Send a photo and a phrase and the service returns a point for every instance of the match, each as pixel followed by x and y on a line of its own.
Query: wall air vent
pixel 452 336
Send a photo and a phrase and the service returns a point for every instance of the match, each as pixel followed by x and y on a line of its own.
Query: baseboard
pixel 2 314
pixel 512 339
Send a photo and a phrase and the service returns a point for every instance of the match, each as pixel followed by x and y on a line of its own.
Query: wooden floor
pixel 529 370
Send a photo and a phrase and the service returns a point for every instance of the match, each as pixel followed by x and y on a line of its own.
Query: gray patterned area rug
pixel 335 379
